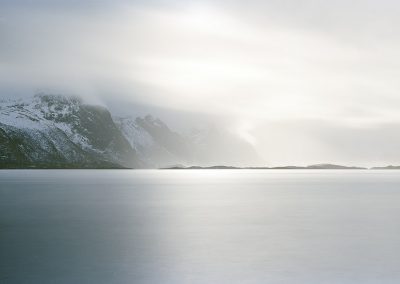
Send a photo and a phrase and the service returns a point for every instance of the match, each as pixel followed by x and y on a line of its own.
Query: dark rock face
pixel 97 125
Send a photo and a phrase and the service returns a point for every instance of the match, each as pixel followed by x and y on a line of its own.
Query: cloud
pixel 305 142
pixel 258 63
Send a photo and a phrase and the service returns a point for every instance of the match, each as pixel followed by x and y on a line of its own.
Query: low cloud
pixel 254 67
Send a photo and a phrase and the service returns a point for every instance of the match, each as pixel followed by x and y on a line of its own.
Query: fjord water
pixel 199 226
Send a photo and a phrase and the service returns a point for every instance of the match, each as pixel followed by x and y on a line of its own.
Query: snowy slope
pixel 159 146
pixel 60 131
pixel 154 142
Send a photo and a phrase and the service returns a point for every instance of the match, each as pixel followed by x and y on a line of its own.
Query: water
pixel 199 226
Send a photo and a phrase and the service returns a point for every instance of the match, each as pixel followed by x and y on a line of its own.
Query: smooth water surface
pixel 199 226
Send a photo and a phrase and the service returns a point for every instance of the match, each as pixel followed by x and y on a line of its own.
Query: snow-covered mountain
pixel 57 131
pixel 159 146
pixel 154 142
pixel 53 131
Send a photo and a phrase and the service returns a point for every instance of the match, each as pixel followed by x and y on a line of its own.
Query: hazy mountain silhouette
pixel 54 131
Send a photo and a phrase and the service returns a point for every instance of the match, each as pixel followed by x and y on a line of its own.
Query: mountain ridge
pixel 310 167
pixel 57 131
pixel 54 131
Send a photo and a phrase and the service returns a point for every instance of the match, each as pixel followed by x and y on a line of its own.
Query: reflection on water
pixel 199 226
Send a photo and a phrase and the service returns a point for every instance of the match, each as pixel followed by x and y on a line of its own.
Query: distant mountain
pixel 54 131
pixel 333 167
pixel 387 168
pixel 159 146
pixel 319 167
pixel 312 167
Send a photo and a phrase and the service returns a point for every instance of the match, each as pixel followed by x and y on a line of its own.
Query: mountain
pixel 159 146
pixel 319 167
pixel 51 131
pixel 311 167
pixel 154 142
pixel 387 168
pixel 333 167
pixel 54 131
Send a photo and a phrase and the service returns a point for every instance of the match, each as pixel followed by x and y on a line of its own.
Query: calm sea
pixel 199 226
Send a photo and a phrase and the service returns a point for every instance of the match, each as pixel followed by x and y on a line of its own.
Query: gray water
pixel 199 226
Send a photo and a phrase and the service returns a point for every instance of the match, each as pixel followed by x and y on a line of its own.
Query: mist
pixel 302 82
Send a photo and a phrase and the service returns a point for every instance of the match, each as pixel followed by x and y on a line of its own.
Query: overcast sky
pixel 303 81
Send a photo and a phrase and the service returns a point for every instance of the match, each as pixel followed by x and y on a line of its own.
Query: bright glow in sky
pixel 311 79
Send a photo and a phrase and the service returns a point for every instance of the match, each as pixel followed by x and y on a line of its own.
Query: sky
pixel 302 81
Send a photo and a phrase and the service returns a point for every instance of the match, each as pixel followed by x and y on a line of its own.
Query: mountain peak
pixel 57 99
